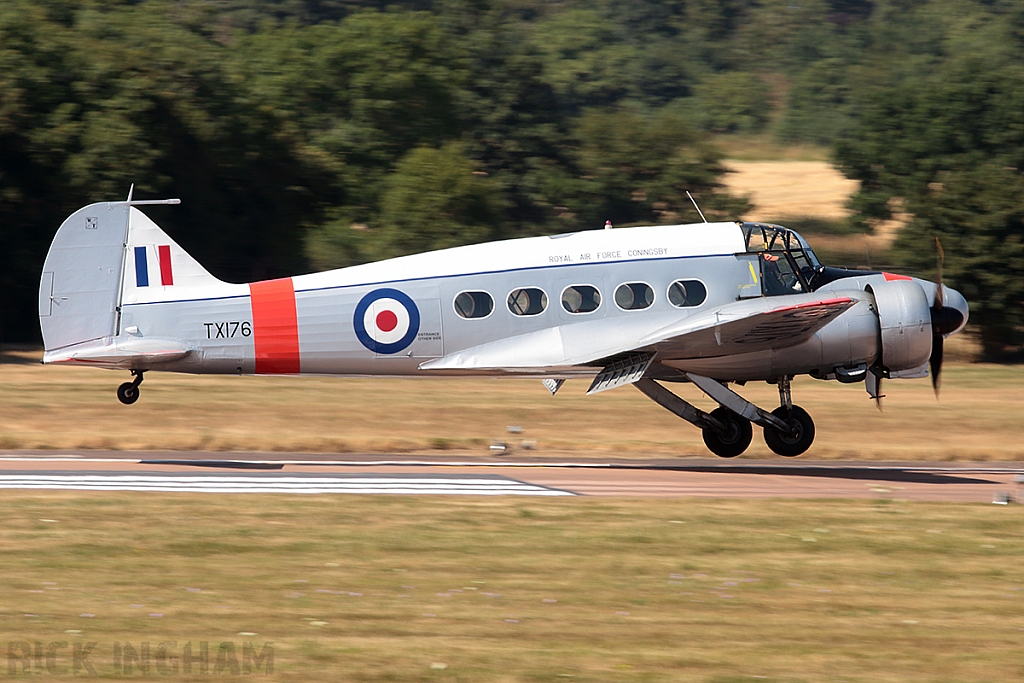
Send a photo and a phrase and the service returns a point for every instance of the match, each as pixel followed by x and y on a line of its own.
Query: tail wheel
pixel 736 438
pixel 128 393
pixel 790 445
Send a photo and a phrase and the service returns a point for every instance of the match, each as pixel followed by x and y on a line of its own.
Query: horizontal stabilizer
pixel 132 353
pixel 622 372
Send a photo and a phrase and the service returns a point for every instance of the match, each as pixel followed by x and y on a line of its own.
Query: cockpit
pixel 788 265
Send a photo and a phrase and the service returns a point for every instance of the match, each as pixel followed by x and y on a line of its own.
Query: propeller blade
pixel 873 384
pixel 935 362
pixel 944 320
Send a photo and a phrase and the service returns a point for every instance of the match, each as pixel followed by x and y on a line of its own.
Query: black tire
pixel 791 445
pixel 735 440
pixel 127 393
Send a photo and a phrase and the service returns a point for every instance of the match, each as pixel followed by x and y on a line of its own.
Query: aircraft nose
pixel 953 315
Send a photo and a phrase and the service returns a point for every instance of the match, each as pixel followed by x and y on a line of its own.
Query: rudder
pixel 81 280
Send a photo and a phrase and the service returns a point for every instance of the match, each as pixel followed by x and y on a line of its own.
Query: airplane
pixel 712 304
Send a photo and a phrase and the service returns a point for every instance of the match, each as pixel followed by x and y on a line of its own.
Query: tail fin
pixel 102 255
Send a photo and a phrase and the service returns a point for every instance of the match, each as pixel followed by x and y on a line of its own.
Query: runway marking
pixel 450 485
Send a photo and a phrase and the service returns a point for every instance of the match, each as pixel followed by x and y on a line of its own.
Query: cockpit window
pixel 778 275
pixel 787 262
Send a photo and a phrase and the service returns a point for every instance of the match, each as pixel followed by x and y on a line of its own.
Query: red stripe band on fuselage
pixel 166 274
pixel 275 327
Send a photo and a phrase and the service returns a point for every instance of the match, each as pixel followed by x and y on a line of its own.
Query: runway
pixel 491 476
pixel 409 484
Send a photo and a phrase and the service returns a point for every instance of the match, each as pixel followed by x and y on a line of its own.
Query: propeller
pixel 945 319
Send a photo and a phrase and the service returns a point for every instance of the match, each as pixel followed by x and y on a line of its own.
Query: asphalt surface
pixel 508 475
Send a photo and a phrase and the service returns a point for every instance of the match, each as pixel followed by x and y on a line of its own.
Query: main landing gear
pixel 727 431
pixel 128 393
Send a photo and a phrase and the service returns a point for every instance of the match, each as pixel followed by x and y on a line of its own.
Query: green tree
pixel 733 101
pixel 434 200
pixel 637 166
pixel 943 131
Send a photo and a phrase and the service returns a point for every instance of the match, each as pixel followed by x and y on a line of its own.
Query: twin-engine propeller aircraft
pixel 710 303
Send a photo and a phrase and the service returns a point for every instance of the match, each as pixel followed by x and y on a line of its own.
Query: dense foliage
pixel 939 130
pixel 308 134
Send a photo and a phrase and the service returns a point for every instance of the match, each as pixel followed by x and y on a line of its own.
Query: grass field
pixel 358 588
pixel 979 416
pixel 790 188
pixel 806 192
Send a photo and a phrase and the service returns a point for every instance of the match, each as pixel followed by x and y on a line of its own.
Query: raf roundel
pixel 386 321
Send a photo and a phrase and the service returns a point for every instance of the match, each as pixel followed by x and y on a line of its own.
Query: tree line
pixel 305 134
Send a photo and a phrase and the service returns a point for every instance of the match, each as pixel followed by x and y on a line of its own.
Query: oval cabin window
pixel 474 304
pixel 581 299
pixel 687 293
pixel 634 296
pixel 527 301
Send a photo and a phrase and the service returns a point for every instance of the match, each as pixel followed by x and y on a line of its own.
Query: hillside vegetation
pixel 315 134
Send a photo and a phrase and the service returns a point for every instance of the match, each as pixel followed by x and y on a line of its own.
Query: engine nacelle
pixel 905 321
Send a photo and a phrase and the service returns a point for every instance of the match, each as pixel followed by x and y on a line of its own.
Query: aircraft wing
pixel 745 332
pixel 743 327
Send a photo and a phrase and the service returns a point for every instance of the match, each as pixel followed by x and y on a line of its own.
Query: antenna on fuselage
pixel 696 207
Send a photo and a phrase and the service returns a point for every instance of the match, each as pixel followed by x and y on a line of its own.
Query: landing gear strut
pixel 726 433
pixel 128 393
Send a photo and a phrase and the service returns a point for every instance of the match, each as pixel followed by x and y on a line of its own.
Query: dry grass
pixel 790 188
pixel 793 189
pixel 361 588
pixel 978 417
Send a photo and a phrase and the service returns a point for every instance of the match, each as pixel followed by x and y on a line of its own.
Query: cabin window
pixel 581 299
pixel 474 304
pixel 634 296
pixel 687 293
pixel 527 301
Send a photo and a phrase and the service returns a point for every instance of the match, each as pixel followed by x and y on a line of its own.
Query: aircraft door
pixel 429 342
pixel 750 283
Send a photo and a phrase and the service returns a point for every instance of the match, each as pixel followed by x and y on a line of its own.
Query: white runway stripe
pixel 478 486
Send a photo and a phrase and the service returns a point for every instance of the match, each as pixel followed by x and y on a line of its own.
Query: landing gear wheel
pixel 736 438
pixel 128 393
pixel 790 445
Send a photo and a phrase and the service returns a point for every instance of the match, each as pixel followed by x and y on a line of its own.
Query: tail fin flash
pixel 155 263
pixel 102 255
